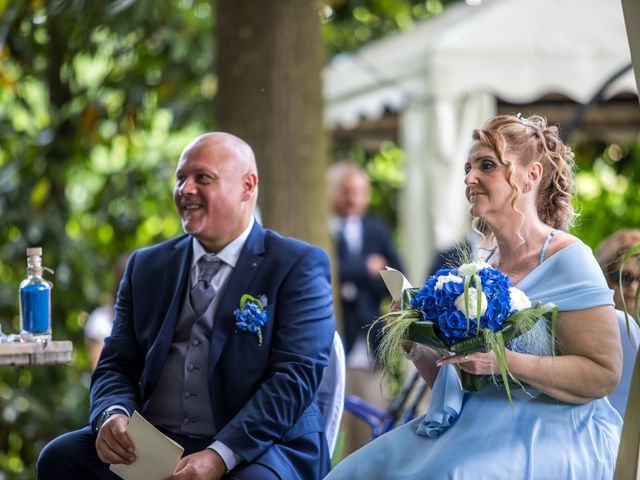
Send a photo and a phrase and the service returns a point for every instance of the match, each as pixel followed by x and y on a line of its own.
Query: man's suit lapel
pixel 176 273
pixel 240 279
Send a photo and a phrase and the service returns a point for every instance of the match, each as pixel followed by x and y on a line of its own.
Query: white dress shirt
pixel 229 256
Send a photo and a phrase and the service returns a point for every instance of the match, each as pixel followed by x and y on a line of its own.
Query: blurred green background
pixel 97 99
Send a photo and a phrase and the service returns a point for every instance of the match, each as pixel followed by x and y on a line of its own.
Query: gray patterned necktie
pixel 203 292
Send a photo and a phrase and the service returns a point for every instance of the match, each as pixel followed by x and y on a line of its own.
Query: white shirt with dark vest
pixel 180 401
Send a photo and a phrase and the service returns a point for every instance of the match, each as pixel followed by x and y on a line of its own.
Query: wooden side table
pixel 50 353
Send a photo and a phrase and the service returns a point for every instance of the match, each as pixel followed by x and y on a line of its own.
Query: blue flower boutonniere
pixel 251 315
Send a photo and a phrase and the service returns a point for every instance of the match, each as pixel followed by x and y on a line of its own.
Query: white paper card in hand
pixel 395 282
pixel 156 454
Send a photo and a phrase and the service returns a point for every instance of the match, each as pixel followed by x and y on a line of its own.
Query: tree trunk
pixel 270 56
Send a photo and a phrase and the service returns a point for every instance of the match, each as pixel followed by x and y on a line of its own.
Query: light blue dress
pixel 630 344
pixel 478 435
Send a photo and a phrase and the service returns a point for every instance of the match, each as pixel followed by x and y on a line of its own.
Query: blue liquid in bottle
pixel 35 300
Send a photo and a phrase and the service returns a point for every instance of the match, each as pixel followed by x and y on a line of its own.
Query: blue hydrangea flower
pixel 436 302
pixel 251 316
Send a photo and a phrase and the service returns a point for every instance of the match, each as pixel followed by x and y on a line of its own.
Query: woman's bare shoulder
pixel 560 241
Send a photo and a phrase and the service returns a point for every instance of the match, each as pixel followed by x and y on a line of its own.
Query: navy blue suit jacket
pixel 359 313
pixel 263 397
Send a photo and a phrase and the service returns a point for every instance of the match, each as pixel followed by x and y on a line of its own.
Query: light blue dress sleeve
pixel 571 279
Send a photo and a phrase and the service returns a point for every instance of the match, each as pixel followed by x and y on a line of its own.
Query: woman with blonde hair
pixel 519 181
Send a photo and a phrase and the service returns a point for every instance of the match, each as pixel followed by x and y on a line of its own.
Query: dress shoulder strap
pixel 493 250
pixel 546 244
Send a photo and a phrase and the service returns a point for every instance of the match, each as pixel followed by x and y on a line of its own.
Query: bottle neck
pixel 34 267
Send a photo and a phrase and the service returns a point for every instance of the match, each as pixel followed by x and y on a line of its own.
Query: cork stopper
pixel 34 252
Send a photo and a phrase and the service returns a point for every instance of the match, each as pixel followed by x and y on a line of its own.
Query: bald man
pixel 234 386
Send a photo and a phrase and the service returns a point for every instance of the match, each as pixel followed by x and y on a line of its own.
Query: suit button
pixel 187 394
pixel 195 343
pixel 191 367
pixel 185 421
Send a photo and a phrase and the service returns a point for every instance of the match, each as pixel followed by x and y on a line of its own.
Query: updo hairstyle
pixel 532 140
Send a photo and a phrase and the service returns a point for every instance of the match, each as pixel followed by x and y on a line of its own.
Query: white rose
pixel 519 300
pixel 472 268
pixel 442 279
pixel 473 303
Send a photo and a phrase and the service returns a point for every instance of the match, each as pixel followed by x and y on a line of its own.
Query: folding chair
pixel 402 410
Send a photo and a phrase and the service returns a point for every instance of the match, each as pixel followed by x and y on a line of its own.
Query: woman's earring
pixel 526 188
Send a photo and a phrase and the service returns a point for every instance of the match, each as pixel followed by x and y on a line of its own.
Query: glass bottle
pixel 35 300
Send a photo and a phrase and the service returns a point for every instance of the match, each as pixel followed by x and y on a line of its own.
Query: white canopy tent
pixel 444 77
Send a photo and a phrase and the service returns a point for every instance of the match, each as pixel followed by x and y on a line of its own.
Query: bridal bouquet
pixel 463 310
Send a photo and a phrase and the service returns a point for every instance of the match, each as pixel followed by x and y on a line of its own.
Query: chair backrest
pixel 330 395
pixel 630 341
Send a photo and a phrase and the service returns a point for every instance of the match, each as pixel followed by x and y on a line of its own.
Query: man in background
pixel 363 247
